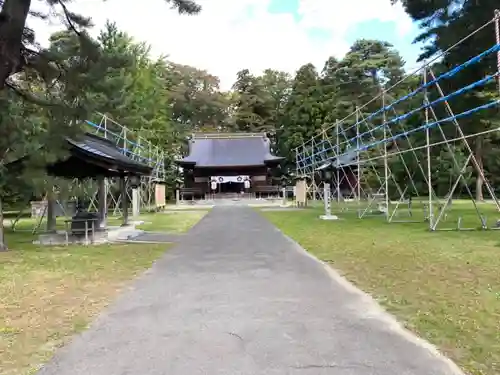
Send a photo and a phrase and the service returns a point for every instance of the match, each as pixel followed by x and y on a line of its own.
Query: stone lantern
pixel 326 173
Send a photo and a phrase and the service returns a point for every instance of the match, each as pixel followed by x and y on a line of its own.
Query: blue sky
pixel 284 6
pixel 231 35
pixel 386 31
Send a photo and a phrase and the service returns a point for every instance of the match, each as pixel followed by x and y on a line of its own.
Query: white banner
pixel 225 179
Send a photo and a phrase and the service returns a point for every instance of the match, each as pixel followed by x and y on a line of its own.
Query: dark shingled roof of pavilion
pixel 229 150
pixel 91 156
pixel 342 161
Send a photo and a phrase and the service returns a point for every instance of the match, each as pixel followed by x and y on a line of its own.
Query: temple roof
pixel 91 156
pixel 103 153
pixel 347 159
pixel 229 150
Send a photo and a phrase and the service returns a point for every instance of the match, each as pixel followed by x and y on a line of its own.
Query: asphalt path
pixel 236 297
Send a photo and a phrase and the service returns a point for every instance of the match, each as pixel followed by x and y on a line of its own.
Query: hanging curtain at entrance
pixel 225 179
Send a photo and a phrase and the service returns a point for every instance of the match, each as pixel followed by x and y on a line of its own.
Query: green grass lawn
pixel 443 285
pixel 179 221
pixel 49 293
pixel 459 209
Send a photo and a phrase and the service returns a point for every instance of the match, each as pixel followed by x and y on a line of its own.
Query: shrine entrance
pixel 229 184
pixel 231 187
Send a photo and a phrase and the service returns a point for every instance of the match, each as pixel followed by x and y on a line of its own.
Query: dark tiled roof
pixel 106 151
pixel 229 151
pixel 89 156
pixel 347 159
pixel 344 160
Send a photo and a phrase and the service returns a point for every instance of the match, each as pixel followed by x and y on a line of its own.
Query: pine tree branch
pixel 185 6
pixel 29 96
pixel 67 15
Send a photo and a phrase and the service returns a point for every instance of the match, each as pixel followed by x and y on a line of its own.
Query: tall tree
pixel 24 129
pixel 197 101
pixel 278 86
pixel 253 109
pixel 443 24
pixel 303 117
pixel 19 51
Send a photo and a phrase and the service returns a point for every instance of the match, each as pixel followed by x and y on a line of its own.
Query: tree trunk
pixel 3 245
pixel 12 21
pixel 479 158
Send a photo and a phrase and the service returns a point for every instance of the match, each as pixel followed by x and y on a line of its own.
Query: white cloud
pixel 230 35
pixel 338 16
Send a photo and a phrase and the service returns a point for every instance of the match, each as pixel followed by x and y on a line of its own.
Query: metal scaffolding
pixel 414 133
pixel 139 149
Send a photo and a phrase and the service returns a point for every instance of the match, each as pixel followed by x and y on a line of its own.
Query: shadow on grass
pixel 443 285
pixel 49 293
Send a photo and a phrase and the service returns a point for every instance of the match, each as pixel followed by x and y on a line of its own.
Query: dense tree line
pixel 44 93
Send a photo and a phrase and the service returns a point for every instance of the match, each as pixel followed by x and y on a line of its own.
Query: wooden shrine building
pixel 229 163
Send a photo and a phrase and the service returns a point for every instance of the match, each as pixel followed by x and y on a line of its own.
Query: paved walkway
pixel 237 298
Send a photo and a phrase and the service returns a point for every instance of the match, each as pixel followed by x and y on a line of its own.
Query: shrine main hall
pixel 229 163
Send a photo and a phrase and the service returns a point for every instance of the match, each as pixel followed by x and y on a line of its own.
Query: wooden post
pixel 102 205
pixel 123 192
pixel 51 212
pixel 135 202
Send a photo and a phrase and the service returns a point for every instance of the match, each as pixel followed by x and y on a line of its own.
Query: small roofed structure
pixel 93 157
pixel 344 175
pixel 228 163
